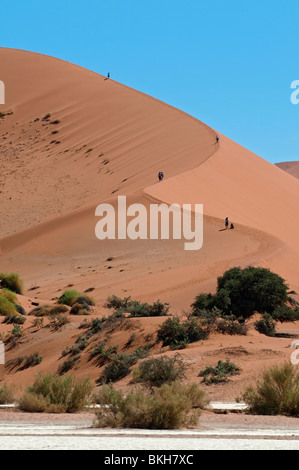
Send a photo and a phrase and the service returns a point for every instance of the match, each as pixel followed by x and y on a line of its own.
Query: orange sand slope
pixel 290 167
pixel 111 141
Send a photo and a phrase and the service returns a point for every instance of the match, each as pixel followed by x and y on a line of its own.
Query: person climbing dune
pixel 226 222
pixel 160 175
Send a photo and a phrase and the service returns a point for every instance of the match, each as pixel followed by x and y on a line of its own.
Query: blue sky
pixel 228 63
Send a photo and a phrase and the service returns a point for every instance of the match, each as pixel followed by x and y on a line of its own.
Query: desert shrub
pixel 80 309
pixel 68 297
pixel 177 334
pixel 7 307
pixel 56 394
pixel 118 367
pixel 276 393
pixel 9 295
pixel 136 308
pixel 48 310
pixel 6 394
pixel 58 321
pixel 155 372
pixel 30 361
pixel 12 282
pixel 285 314
pixel 71 297
pixel 230 326
pixel 266 325
pixel 16 319
pixel 219 373
pixel 171 406
pixel 115 302
pixel 242 292
pixel 20 310
pixel 68 364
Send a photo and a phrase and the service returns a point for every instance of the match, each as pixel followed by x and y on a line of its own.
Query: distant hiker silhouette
pixel 108 76
pixel 217 139
pixel 160 175
pixel 232 226
pixel 226 222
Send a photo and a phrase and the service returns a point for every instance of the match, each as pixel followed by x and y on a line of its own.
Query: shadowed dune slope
pixel 290 167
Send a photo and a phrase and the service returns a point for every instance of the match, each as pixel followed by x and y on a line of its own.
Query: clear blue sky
pixel 228 63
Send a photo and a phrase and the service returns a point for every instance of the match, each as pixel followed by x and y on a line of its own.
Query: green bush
pixel 285 314
pixel 242 292
pixel 9 295
pixel 172 406
pixel 69 297
pixel 118 367
pixel 266 325
pixel 220 373
pixel 7 307
pixel 155 372
pixel 56 394
pixel 177 334
pixel 136 308
pixel 277 393
pixel 12 282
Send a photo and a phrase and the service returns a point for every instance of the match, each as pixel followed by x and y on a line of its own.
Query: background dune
pixel 290 167
pixel 103 140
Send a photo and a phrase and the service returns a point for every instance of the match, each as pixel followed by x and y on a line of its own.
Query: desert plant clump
pixel 9 295
pixel 6 394
pixel 136 308
pixel 120 366
pixel 48 310
pixel 58 321
pixel 7 307
pixel 53 393
pixel 219 373
pixel 276 393
pixel 178 335
pixel 16 319
pixel 171 406
pixel 266 325
pixel 71 297
pixel 242 292
pixel 155 372
pixel 12 282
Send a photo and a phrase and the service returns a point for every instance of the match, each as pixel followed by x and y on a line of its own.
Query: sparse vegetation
pixel 172 406
pixel 136 308
pixel 155 372
pixel 276 393
pixel 266 325
pixel 7 307
pixel 56 394
pixel 6 394
pixel 219 373
pixel 177 334
pixel 71 297
pixel 48 310
pixel 14 318
pixel 12 282
pixel 120 364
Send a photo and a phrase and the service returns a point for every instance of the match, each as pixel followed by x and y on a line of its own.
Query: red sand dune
pixel 112 141
pixel 290 167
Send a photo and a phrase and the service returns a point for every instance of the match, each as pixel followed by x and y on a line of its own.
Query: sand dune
pixel 103 140
pixel 290 167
